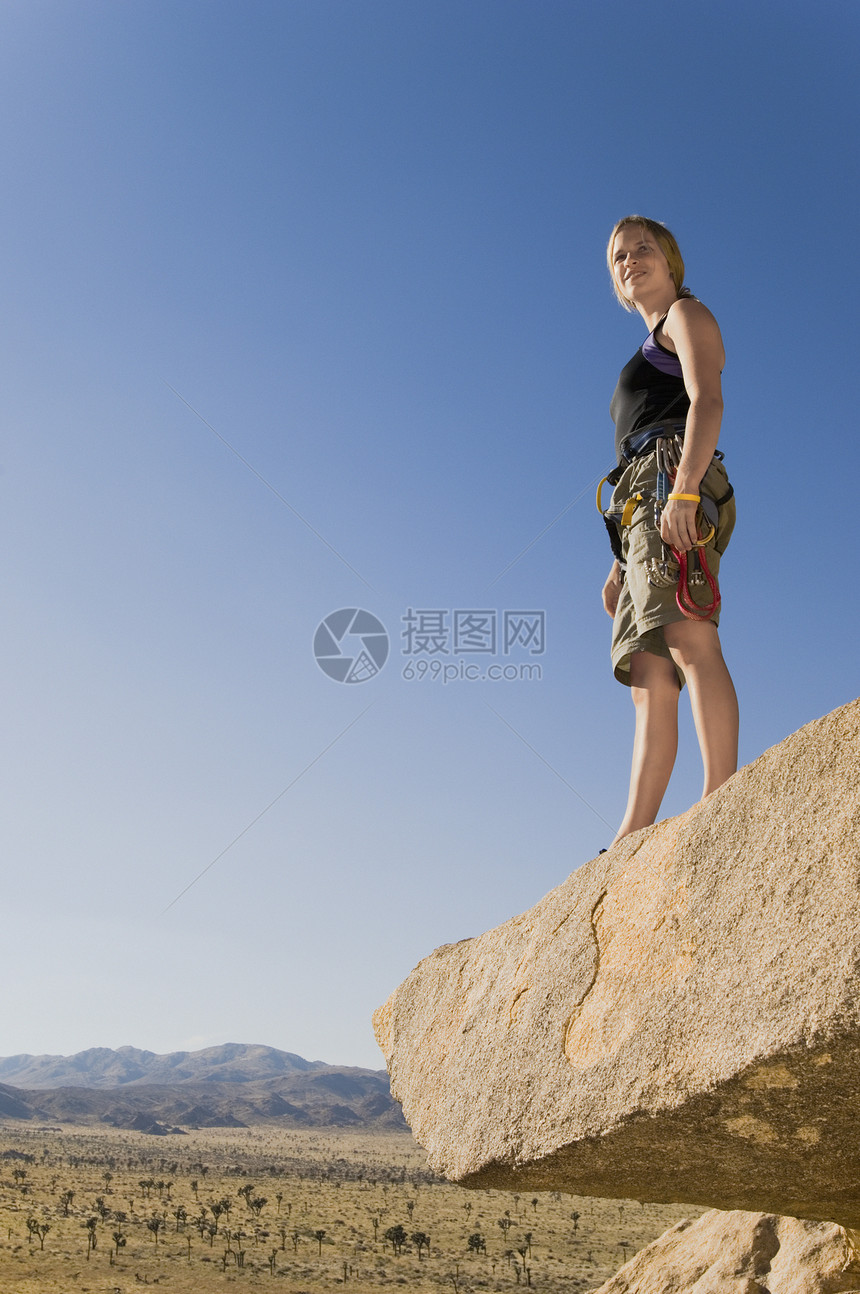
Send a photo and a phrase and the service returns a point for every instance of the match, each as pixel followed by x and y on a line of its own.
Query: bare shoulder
pixel 688 316
pixel 689 325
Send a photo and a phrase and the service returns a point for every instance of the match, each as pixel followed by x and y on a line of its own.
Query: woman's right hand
pixel 612 590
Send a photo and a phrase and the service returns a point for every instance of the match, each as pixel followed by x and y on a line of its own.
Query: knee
pixel 659 699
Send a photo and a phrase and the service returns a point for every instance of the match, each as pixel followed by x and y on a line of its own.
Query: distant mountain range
pixel 102 1067
pixel 234 1085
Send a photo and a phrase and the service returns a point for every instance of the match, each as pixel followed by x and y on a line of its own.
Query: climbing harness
pixel 673 568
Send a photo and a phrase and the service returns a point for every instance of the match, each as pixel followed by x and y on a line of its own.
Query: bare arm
pixel 693 331
pixel 612 590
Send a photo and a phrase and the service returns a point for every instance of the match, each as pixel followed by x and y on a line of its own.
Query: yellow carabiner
pixel 700 543
pixel 599 491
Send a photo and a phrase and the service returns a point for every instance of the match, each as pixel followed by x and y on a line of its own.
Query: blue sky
pixel 363 244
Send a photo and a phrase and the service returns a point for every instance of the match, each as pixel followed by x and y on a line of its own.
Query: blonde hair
pixel 668 245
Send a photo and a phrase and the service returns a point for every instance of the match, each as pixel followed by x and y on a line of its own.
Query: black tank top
pixel 650 385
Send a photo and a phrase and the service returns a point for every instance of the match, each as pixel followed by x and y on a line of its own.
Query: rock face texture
pixel 743 1253
pixel 678 1021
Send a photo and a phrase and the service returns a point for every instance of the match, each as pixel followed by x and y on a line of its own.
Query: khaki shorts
pixel 643 608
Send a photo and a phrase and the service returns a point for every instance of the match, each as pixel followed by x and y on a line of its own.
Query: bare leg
pixel 695 646
pixel 655 690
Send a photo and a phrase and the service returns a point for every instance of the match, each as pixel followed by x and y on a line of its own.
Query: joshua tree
pixel 477 1243
pixel 505 1224
pixel 527 1240
pixel 90 1225
pixel 410 1208
pixel 155 1224
pixel 535 1203
pixel 397 1236
pixel 319 1236
pixel 119 1241
pixel 66 1199
pixel 421 1240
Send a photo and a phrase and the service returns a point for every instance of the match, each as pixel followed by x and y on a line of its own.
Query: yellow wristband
pixel 691 498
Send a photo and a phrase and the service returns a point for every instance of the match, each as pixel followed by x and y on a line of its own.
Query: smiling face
pixel 640 269
pixel 639 235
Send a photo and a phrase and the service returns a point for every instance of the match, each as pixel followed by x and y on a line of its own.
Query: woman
pixel 671 386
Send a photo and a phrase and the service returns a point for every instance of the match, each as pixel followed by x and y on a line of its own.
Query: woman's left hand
pixel 678 524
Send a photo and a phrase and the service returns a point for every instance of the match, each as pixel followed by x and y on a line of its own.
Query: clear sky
pixel 305 307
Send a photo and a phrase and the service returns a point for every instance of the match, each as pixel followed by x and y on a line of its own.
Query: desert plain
pixel 104 1211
